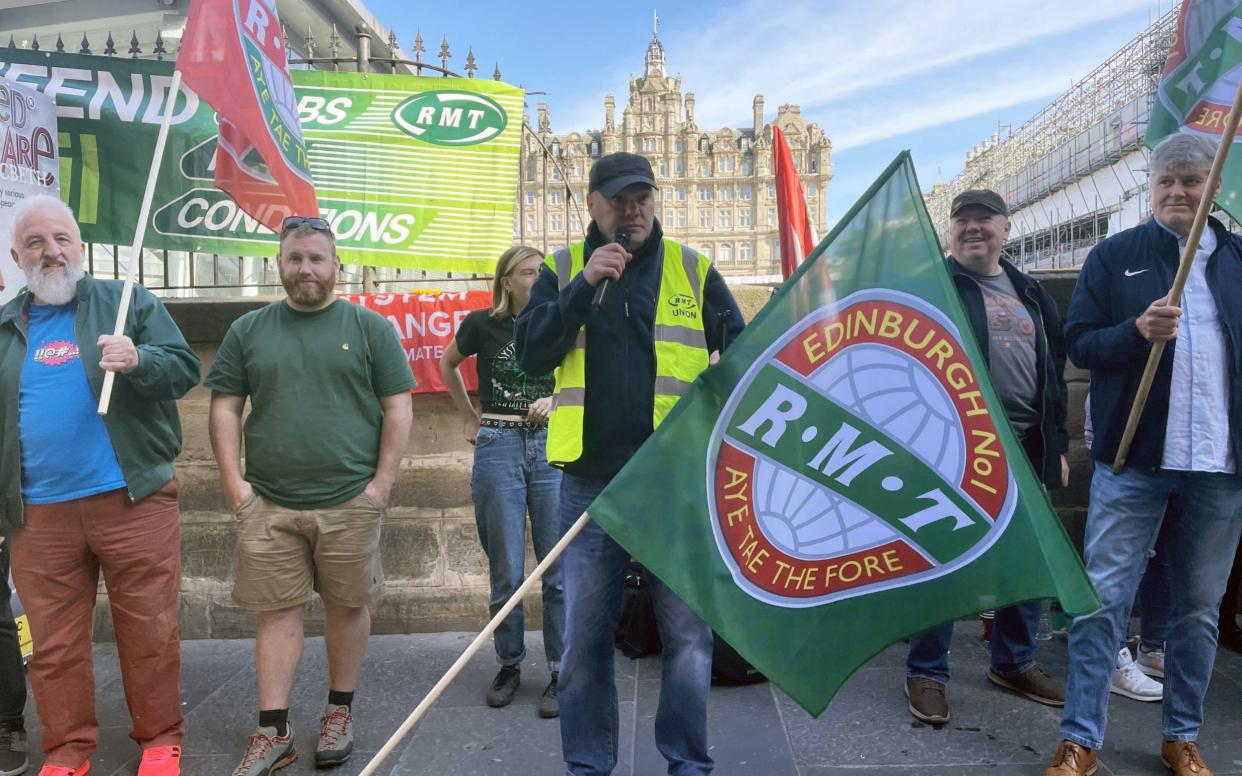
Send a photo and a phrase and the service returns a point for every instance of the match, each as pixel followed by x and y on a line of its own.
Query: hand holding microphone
pixel 608 263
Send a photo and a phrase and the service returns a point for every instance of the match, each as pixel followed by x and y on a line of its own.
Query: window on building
pixel 667 216
pixel 746 167
pixel 776 250
pixel 575 223
pixel 745 217
pixel 556 173
pixel 648 144
pixel 680 167
pixel 680 145
pixel 704 146
pixel 771 216
pixel 726 193
pixel 705 219
pixel 726 219
pixel 746 252
pixel 556 149
pixel 705 193
pixel 681 193
pixel 557 223
pixel 530 224
pixel 706 250
pixel 530 197
pixel 705 170
pixel 745 192
pixel 724 165
pixel 814 163
pixel 669 194
pixel 594 148
pixel 771 189
pixel 558 197
pixel 662 168
pixel 726 253
pixel 681 218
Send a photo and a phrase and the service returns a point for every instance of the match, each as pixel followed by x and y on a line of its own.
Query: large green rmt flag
pixel 845 476
pixel 1199 83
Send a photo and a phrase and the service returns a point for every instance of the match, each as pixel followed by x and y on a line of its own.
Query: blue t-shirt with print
pixel 66 451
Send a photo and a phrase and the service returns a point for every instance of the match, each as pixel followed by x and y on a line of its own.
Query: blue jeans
pixel 1123 520
pixel 512 477
pixel 594 568
pixel 1013 645
pixel 1155 592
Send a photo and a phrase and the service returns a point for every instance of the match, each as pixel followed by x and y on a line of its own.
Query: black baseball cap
pixel 612 173
pixel 985 198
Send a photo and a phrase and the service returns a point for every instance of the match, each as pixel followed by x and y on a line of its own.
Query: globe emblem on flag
pixel 857 454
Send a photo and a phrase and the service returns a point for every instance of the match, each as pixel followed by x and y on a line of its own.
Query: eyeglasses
pixel 293 222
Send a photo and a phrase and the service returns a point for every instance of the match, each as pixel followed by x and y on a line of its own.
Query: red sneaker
pixel 61 770
pixel 160 761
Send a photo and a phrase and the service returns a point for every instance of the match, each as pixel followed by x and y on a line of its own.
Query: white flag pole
pixel 135 253
pixel 434 694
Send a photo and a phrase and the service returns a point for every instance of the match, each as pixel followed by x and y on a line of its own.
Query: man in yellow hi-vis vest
pixel 622 358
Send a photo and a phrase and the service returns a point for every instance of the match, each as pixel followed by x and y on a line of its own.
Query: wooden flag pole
pixel 1183 272
pixel 434 694
pixel 135 252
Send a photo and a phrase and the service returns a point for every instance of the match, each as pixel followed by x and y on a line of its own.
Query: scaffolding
pixel 1095 125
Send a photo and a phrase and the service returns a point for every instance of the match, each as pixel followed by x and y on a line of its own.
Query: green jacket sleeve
pixel 167 367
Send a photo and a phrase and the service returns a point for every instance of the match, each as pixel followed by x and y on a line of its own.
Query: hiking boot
pixel 1151 662
pixel 1130 682
pixel 13 757
pixel 1071 760
pixel 1182 757
pixel 336 736
pixel 266 753
pixel 1034 684
pixel 62 770
pixel 928 701
pixel 504 687
pixel 160 761
pixel 549 708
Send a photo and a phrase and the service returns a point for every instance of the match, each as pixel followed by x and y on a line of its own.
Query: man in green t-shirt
pixel 329 388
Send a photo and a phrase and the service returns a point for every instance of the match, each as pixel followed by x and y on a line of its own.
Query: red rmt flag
pixel 233 56
pixel 797 232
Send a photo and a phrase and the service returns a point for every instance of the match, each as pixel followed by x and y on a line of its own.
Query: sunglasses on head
pixel 293 222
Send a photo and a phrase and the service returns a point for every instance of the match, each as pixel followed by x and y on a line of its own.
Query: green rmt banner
pixel 846 475
pixel 411 172
pixel 1200 80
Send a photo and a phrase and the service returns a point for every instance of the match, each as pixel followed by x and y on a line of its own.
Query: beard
pixel 308 292
pixel 55 289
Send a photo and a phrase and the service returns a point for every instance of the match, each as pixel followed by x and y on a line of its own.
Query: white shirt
pixel 1197 430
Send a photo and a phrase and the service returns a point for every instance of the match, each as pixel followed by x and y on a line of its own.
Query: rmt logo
pixel 684 306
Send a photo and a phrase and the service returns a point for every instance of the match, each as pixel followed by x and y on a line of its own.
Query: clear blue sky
pixel 933 76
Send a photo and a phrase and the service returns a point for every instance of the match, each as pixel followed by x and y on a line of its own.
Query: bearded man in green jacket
pixel 84 493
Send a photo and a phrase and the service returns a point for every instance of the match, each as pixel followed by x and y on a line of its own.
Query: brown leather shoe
pixel 928 701
pixel 1182 757
pixel 1071 760
pixel 1035 684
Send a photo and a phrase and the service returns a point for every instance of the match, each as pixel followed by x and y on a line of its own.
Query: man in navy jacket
pixel 1185 446
pixel 1017 327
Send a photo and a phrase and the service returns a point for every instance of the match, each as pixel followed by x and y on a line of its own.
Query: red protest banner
pixel 426 324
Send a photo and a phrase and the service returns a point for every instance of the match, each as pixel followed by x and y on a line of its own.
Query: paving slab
pixel 753 731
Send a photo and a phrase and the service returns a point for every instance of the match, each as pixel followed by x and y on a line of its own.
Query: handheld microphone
pixel 620 237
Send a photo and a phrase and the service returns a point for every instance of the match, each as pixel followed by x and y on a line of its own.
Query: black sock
pixel 339 698
pixel 277 718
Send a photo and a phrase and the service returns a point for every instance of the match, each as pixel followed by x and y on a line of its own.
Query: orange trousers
pixel 57 557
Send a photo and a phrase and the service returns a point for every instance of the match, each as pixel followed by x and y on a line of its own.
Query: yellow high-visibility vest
pixel 680 345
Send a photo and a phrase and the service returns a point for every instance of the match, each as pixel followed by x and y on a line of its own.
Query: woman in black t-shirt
pixel 511 472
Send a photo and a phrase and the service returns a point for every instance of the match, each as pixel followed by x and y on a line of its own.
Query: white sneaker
pixel 1129 681
pixel 1151 663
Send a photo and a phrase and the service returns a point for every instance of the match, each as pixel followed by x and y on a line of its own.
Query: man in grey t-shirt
pixel 1017 327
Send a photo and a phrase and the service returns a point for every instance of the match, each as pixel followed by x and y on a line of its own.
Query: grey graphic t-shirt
pixel 503 387
pixel 1011 350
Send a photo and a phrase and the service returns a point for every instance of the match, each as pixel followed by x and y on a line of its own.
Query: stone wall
pixel 436 571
